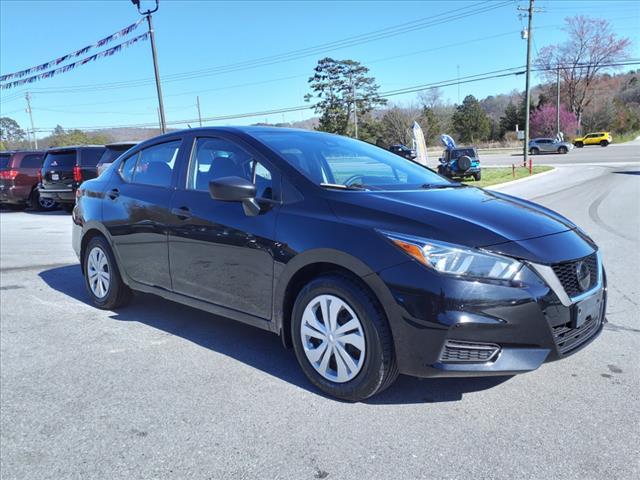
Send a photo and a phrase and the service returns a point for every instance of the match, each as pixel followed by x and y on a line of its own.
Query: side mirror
pixel 236 189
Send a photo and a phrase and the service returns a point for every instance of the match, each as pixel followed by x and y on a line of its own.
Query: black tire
pixel 579 144
pixel 477 176
pixel 534 151
pixel 67 207
pixel 379 369
pixel 563 150
pixel 464 163
pixel 39 204
pixel 118 294
pixel 604 143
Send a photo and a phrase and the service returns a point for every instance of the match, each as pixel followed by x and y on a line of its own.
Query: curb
pixel 498 186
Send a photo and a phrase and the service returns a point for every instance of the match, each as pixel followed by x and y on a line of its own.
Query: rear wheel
pixel 604 143
pixel 102 277
pixel 477 176
pixel 68 207
pixel 563 150
pixel 342 339
pixel 534 151
pixel 41 203
pixel 579 144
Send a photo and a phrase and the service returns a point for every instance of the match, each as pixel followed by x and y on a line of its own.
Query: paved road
pixel 615 153
pixel 158 390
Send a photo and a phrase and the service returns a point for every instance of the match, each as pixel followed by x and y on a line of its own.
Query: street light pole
pixel 147 13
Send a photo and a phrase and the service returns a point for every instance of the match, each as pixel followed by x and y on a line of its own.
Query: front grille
pixel 569 339
pixel 467 352
pixel 566 273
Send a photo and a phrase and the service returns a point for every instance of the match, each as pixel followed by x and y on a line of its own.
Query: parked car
pixel 112 151
pixel 601 138
pixel 548 145
pixel 65 168
pixel 19 171
pixel 368 264
pixel 403 151
pixel 460 162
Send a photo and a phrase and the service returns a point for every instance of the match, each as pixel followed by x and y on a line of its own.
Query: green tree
pixel 471 122
pixel 333 85
pixel 510 119
pixel 431 125
pixel 11 135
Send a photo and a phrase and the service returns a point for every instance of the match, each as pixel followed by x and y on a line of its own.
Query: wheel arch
pixel 90 231
pixel 304 267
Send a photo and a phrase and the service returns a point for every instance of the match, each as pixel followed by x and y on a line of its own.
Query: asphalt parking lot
pixel 158 390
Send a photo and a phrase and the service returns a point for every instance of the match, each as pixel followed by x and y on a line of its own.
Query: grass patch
pixel 494 176
pixel 625 137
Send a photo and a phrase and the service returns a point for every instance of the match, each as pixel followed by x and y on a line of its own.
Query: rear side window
pixel 153 165
pixel 31 161
pixel 5 160
pixel 90 157
pixel 65 159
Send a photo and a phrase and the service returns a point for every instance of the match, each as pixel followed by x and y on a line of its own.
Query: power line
pixel 463 80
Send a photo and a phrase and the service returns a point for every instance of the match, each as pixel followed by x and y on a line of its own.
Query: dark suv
pixel 65 168
pixel 19 173
pixel 368 264
pixel 112 151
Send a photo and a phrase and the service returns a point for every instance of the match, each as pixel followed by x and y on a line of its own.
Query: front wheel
pixel 579 144
pixel 102 277
pixel 563 150
pixel 604 143
pixel 342 339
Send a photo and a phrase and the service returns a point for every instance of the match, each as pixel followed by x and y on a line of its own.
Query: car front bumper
pixel 448 327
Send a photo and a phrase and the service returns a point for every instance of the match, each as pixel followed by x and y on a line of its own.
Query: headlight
pixel 456 259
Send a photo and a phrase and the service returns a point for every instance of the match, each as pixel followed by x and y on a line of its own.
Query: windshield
pixel 4 160
pixel 331 159
pixel 60 159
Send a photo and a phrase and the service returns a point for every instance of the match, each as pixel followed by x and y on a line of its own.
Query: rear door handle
pixel 113 194
pixel 182 213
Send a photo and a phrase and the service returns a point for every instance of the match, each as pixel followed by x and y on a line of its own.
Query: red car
pixel 19 176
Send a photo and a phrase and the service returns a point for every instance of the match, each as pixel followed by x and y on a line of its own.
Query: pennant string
pixel 71 66
pixel 100 43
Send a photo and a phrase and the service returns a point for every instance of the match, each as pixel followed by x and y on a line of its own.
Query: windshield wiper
pixel 355 186
pixel 433 186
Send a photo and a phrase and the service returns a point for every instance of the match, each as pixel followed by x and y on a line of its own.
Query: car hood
pixel 466 215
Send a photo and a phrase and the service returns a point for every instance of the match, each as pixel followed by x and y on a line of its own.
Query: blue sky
pixel 200 35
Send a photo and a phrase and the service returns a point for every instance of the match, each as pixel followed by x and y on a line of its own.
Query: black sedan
pixel 367 264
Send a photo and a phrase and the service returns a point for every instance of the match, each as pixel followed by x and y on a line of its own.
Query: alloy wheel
pixel 98 272
pixel 46 203
pixel 333 338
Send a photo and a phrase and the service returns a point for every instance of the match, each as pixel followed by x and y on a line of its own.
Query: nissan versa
pixel 366 263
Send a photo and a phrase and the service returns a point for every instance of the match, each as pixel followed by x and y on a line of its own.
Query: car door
pixel 136 211
pixel 216 252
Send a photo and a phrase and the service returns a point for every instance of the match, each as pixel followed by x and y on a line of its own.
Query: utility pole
pixel 355 106
pixel 147 13
pixel 558 101
pixel 199 114
pixel 527 88
pixel 458 70
pixel 33 129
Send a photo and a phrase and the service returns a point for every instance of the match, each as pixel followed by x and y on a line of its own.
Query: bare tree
pixel 431 98
pixel 397 125
pixel 590 48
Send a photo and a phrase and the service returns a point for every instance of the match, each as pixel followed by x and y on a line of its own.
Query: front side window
pixel 336 160
pixel 154 165
pixel 213 158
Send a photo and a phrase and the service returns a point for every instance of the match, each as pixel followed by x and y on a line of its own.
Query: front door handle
pixel 113 194
pixel 182 213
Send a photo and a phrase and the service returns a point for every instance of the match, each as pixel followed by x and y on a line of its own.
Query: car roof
pixel 72 147
pixel 11 152
pixel 123 143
